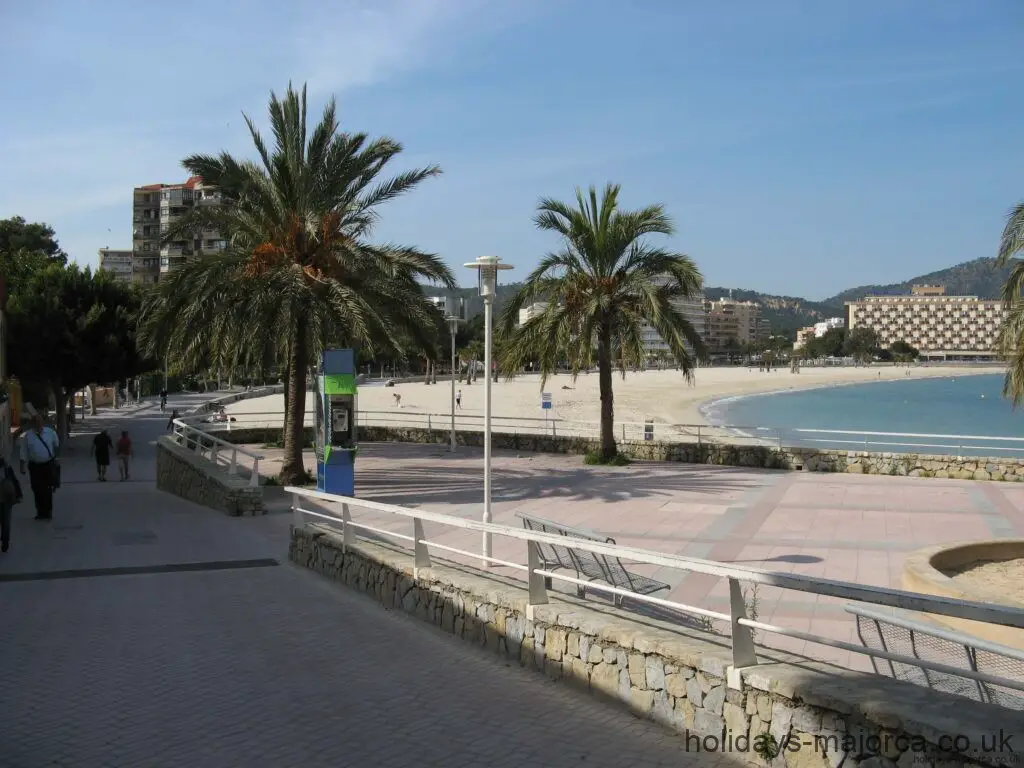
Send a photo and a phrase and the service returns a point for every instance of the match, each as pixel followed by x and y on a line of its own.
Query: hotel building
pixel 816 331
pixel 937 325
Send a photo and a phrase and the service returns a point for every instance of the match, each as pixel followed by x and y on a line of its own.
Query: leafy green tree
pixel 1011 333
pixel 903 352
pixel 861 343
pixel 70 328
pixel 829 344
pixel 600 288
pixel 298 265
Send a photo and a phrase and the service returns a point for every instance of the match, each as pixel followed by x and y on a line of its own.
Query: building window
pixel 145 246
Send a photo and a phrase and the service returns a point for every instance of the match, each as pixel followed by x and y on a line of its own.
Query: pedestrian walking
pixel 124 454
pixel 101 447
pixel 39 448
pixel 10 494
pixel 458 400
pixel 398 399
pixel 170 421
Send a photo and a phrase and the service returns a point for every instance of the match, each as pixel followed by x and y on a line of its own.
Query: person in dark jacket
pixel 10 494
pixel 101 447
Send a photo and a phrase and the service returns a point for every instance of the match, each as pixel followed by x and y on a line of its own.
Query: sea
pixel 964 416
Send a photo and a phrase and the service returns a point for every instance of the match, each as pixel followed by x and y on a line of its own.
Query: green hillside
pixel 972 278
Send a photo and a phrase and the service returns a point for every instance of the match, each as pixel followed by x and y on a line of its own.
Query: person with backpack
pixel 124 454
pixel 39 447
pixel 10 494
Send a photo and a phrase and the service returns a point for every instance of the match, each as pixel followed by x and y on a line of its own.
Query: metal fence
pixel 337 512
pixel 729 434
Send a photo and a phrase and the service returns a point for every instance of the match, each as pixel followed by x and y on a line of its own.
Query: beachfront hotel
pixel 940 327
pixel 816 331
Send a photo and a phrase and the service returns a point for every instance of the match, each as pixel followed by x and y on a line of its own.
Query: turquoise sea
pixel 970 406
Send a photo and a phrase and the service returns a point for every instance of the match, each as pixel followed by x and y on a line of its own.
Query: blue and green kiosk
pixel 336 422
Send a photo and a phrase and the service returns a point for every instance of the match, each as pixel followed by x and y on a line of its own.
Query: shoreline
pixel 707 405
pixel 661 396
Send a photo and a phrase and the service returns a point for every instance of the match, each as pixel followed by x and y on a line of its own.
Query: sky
pixel 802 147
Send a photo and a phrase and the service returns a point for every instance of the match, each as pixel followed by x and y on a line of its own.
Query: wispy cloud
pixel 375 40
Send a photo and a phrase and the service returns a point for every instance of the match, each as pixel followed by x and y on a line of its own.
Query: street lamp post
pixel 453 326
pixel 487 272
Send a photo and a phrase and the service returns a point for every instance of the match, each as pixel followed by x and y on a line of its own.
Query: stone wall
pixel 786 712
pixel 806 459
pixel 183 473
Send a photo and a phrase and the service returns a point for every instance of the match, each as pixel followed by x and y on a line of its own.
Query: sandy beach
pixel 663 396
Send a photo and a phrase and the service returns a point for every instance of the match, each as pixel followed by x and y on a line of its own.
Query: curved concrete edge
pixel 923 572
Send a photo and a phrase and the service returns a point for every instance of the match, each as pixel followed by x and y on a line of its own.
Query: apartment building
pixel 939 326
pixel 117 263
pixel 527 313
pixel 693 310
pixel 730 319
pixel 155 208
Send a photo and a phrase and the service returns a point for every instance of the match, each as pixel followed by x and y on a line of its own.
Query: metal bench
pixel 900 634
pixel 587 565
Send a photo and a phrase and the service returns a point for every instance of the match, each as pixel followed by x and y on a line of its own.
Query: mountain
pixel 979 277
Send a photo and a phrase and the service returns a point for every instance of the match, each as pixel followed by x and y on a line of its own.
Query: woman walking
pixel 124 454
pixel 101 445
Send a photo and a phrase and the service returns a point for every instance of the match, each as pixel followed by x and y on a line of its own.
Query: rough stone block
pixel 638 670
pixel 555 643
pixel 605 678
pixel 641 701
pixel 694 692
pixel 736 721
pixel 715 700
pixel 707 724
pixel 655 673
pixel 675 684
pixel 572 646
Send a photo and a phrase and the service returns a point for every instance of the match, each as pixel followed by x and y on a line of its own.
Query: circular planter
pixel 925 571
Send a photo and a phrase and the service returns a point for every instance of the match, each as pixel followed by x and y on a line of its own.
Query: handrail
pixel 894 598
pixel 185 434
pixel 744 653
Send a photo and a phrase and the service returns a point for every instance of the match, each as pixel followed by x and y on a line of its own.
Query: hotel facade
pixel 940 327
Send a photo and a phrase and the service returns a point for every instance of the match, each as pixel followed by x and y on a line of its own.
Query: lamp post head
pixel 487 268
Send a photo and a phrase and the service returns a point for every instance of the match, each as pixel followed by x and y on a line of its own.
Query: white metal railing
pixel 744 653
pixel 219 452
pixel 725 434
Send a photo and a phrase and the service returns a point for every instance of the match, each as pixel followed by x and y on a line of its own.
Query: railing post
pixel 346 529
pixel 420 551
pixel 297 520
pixel 778 438
pixel 429 423
pixel 213 453
pixel 743 652
pixel 233 469
pixel 538 592
pixel 199 443
pixel 254 478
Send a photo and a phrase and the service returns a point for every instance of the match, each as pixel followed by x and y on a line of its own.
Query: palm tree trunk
pixel 292 470
pixel 287 387
pixel 604 374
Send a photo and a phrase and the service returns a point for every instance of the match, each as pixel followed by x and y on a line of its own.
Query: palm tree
pixel 601 288
pixel 1011 334
pixel 298 266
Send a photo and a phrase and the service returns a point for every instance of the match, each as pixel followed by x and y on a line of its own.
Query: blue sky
pixel 802 147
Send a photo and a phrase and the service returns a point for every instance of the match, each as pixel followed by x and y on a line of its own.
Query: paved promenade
pixel 848 527
pixel 139 630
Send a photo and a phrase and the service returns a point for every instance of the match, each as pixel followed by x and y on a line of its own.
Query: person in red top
pixel 124 454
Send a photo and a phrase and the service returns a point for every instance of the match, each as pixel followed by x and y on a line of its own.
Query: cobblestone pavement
pixel 265 665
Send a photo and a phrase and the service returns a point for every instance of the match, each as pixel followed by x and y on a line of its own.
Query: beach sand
pixel 664 396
